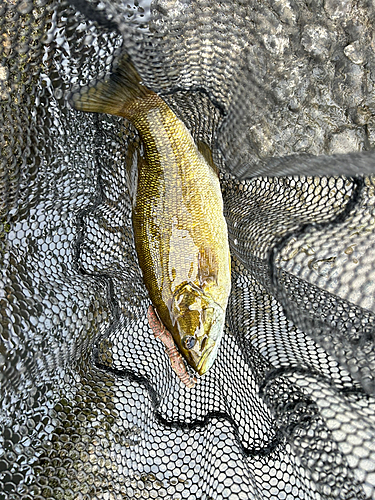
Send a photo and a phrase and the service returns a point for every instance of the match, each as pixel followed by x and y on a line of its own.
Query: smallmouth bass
pixel 179 228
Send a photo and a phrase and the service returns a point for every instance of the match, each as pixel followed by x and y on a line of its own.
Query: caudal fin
pixel 116 95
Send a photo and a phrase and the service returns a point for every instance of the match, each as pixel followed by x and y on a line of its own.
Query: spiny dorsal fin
pixel 206 152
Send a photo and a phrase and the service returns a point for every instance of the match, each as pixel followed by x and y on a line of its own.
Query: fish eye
pixel 189 342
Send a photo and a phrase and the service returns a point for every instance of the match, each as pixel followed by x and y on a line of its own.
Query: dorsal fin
pixel 206 152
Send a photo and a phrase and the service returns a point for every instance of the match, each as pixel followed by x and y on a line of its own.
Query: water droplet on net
pixel 25 7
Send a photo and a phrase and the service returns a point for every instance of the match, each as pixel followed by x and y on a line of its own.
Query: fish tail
pixel 117 95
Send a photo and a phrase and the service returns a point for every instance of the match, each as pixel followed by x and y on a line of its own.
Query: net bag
pixel 282 92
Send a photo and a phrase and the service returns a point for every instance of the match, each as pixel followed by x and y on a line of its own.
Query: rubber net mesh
pixel 90 408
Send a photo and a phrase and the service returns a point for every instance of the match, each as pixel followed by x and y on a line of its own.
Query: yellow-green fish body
pixel 180 231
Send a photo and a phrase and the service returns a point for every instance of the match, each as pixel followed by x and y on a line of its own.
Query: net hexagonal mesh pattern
pixel 90 407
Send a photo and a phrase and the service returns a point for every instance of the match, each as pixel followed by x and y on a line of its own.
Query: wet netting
pixel 282 91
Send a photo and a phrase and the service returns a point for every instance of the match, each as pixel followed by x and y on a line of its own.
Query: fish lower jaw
pixel 203 366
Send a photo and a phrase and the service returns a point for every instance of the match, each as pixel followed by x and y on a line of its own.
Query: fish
pixel 180 232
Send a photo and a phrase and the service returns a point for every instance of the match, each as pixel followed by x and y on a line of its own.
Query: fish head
pixel 199 323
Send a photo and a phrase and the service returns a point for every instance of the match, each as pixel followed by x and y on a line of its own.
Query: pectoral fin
pixel 175 357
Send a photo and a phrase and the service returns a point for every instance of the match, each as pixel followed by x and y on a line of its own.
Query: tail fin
pixel 115 95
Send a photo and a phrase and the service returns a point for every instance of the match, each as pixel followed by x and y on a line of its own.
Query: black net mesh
pixel 90 407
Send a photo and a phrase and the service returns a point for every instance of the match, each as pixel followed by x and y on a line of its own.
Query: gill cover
pixel 199 321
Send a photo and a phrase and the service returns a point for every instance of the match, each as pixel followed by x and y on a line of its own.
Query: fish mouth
pixel 205 362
